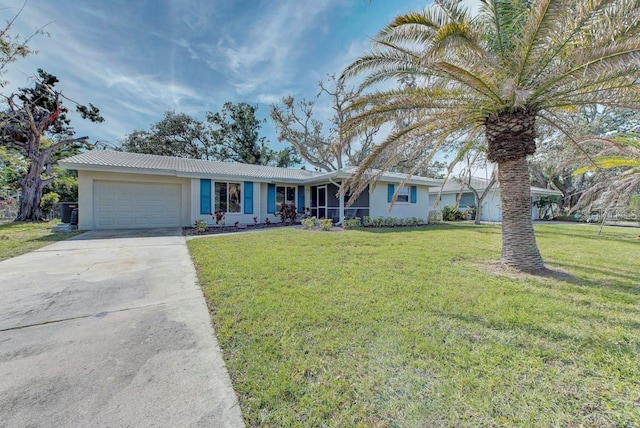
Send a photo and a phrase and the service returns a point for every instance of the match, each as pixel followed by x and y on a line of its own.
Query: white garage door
pixel 135 205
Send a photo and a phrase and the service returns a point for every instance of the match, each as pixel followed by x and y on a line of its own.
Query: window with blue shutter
pixel 391 189
pixel 205 196
pixel 301 199
pixel 414 194
pixel 248 197
pixel 271 198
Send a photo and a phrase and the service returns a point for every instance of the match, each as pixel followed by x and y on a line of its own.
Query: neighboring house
pixel 491 205
pixel 130 190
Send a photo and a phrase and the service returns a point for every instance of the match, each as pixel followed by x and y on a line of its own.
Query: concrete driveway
pixel 109 329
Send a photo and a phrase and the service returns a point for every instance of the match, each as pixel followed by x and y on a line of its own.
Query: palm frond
pixel 609 162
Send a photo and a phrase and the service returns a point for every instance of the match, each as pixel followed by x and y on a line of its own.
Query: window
pixel 228 197
pixel 403 195
pixel 285 194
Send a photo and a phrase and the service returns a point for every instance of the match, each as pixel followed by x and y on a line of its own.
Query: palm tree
pixel 496 75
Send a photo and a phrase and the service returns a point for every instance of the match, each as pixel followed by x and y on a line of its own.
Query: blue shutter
pixel 391 189
pixel 205 196
pixel 271 198
pixel 248 197
pixel 301 199
pixel 414 194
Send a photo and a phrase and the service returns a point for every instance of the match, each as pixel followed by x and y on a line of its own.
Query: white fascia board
pixel 122 170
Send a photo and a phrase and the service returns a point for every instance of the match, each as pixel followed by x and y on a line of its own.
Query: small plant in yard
pixel 450 213
pixel 288 213
pixel 435 216
pixel 389 222
pixel 267 221
pixel 309 223
pixel 200 226
pixel 255 220
pixel 377 222
pixel 366 221
pixel 350 223
pixel 219 217
pixel 326 224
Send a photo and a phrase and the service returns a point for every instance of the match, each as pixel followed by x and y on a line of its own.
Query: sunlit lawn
pixel 416 327
pixel 20 238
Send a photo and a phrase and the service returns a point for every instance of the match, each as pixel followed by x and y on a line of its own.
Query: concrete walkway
pixel 109 329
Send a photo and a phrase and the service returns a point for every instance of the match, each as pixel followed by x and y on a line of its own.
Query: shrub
pixel 326 224
pixel 200 226
pixel 309 223
pixel 449 213
pixel 48 202
pixel 435 216
pixel 377 222
pixel 366 221
pixel 351 223
pixel 287 213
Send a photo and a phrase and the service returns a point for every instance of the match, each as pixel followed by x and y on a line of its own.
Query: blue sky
pixel 135 59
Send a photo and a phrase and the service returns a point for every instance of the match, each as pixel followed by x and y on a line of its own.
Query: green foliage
pixel 200 226
pixel 450 213
pixel 350 223
pixel 309 223
pixel 326 224
pixel 13 166
pixel 435 216
pixel 235 136
pixel 65 184
pixel 176 134
pixel 48 202
pixel 229 135
pixel 406 328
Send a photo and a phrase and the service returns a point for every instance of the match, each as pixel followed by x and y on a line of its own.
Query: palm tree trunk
pixel 519 248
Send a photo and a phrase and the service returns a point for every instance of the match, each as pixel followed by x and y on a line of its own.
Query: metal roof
pixel 107 160
pixel 166 165
pixel 453 186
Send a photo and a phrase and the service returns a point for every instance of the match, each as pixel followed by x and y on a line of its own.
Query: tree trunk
pixel 519 248
pixel 32 186
pixel 478 211
pixel 511 138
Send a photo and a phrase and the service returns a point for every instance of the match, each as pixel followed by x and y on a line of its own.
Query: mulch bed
pixel 216 230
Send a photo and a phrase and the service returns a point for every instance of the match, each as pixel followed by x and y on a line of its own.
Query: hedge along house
pixel 130 190
pixel 453 193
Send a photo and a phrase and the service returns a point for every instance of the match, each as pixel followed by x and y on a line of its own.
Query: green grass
pixel 417 327
pixel 20 238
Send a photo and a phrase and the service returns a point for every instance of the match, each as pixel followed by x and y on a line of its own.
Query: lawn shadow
pixel 618 280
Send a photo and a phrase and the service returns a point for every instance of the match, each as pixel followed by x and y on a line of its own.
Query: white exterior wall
pixel 230 218
pixel 379 207
pixel 491 205
pixel 86 179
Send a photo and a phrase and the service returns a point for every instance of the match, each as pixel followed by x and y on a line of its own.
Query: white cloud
pixel 265 53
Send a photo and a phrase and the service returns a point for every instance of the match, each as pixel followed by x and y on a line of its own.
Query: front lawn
pixel 418 327
pixel 22 237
